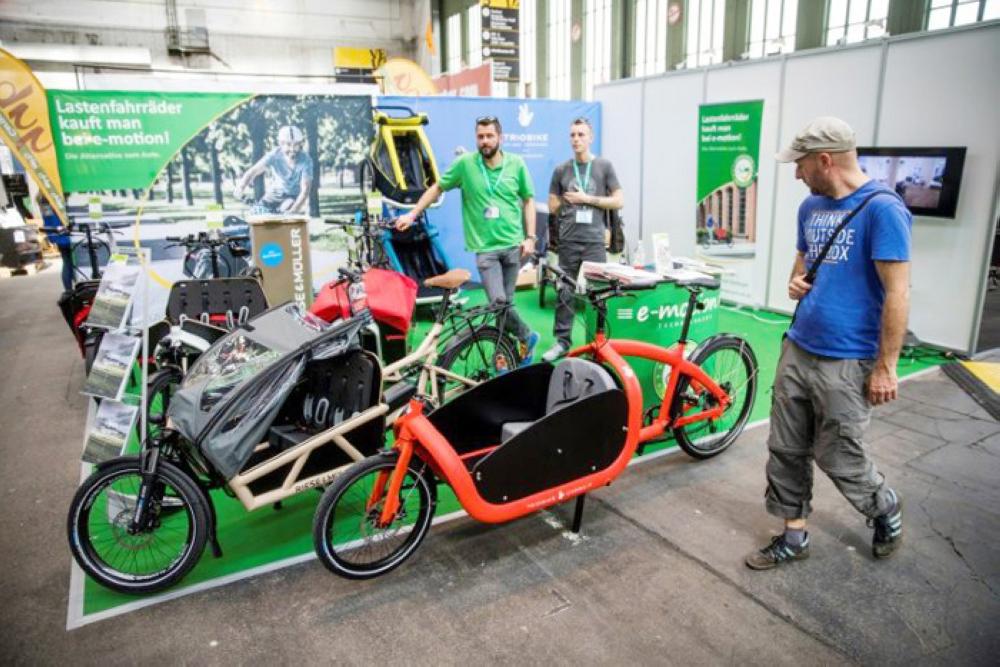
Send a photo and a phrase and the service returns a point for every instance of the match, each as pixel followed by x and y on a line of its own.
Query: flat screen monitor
pixel 927 179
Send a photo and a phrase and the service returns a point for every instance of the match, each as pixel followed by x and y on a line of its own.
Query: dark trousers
pixel 571 256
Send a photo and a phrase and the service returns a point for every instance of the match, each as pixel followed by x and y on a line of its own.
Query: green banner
pixel 728 145
pixel 726 211
pixel 121 140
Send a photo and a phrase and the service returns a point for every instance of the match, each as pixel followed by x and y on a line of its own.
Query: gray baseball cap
pixel 825 134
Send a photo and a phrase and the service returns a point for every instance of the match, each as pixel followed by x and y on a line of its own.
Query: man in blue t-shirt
pixel 289 172
pixel 839 358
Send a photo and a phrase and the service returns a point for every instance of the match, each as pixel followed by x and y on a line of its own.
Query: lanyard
pixel 586 179
pixel 492 186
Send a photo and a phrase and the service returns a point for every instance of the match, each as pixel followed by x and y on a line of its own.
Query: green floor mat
pixel 266 536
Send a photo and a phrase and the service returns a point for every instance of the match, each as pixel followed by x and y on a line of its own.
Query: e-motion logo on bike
pixel 271 254
pixel 666 315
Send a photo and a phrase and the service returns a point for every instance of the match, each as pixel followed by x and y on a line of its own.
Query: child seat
pixel 401 156
pixel 536 428
pixel 416 253
pixel 226 302
pixel 331 392
pixel 571 380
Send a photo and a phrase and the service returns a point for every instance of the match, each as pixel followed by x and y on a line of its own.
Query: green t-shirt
pixel 508 185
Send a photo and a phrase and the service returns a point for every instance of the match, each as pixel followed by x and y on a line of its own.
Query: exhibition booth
pixel 256 328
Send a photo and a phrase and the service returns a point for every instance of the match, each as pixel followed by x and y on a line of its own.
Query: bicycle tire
pixel 494 352
pixel 737 373
pixel 188 504
pixel 158 394
pixel 344 534
pixel 366 177
pixel 101 250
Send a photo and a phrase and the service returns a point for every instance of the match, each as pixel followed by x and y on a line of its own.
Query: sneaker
pixel 527 348
pixel 555 352
pixel 776 553
pixel 888 531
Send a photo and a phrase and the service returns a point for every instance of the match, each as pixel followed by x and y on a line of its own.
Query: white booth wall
pixel 930 89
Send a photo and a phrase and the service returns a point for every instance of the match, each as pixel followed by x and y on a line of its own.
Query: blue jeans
pixel 498 273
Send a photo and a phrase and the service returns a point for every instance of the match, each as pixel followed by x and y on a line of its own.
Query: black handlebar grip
pixel 351 275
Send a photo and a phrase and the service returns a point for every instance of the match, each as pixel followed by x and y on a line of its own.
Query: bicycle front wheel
pixel 152 557
pixel 731 363
pixel 478 355
pixel 347 534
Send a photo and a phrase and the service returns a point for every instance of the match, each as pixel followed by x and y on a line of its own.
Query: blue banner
pixel 537 130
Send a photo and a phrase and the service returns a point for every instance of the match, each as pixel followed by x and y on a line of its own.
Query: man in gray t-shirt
pixel 582 190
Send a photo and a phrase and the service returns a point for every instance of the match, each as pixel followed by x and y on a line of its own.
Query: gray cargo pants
pixel 498 273
pixel 820 413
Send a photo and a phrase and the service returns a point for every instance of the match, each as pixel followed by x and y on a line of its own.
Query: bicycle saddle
pixel 450 280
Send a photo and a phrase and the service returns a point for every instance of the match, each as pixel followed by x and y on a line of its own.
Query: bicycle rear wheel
pixel 346 534
pixel 151 558
pixel 731 363
pixel 479 355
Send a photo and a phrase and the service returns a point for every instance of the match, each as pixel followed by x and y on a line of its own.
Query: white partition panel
pixel 931 89
pixel 670 140
pixel 621 142
pixel 757 81
pixel 946 92
pixel 824 83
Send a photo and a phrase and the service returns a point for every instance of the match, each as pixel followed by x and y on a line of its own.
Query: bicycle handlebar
pixel 353 276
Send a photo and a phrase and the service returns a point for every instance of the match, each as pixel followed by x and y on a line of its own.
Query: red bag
pixel 391 299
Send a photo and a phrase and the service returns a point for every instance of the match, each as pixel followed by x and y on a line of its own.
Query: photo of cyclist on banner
pixel 288 175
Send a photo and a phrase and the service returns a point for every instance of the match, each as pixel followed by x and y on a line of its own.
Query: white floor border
pixel 75 618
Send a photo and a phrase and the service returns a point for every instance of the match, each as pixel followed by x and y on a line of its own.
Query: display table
pixel 656 316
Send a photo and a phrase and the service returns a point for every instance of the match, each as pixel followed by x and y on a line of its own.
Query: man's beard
pixel 489 151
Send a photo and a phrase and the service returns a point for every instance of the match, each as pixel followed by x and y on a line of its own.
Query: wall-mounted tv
pixel 927 179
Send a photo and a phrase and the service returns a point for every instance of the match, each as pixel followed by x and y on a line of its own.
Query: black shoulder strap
pixel 818 262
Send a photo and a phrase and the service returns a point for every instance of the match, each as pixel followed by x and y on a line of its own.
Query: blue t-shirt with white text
pixel 841 315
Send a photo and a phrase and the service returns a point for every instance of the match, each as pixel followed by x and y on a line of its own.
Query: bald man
pixel 839 357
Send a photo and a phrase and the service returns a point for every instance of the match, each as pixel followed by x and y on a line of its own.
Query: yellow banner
pixel 354 58
pixel 25 128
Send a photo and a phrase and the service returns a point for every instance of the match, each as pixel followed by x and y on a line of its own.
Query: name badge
pixel 584 216
pixel 491 212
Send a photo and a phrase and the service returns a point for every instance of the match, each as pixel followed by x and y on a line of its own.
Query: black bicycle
pixel 210 255
pixel 92 250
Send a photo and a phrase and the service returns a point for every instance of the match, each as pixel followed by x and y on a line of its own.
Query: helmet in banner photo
pixel 290 134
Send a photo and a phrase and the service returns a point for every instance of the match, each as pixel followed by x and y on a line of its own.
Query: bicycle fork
pixel 148 464
pixel 388 484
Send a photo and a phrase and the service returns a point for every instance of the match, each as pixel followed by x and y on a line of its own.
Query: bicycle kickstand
pixel 578 513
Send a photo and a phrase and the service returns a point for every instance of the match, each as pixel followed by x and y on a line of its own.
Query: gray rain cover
pixel 247 375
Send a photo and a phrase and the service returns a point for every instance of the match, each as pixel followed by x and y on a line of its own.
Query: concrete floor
pixel 657 578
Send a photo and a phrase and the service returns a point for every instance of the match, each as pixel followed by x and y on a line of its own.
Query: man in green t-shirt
pixel 496 192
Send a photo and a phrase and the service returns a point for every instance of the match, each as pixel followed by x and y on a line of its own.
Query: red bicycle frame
pixel 673 357
pixel 417 436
